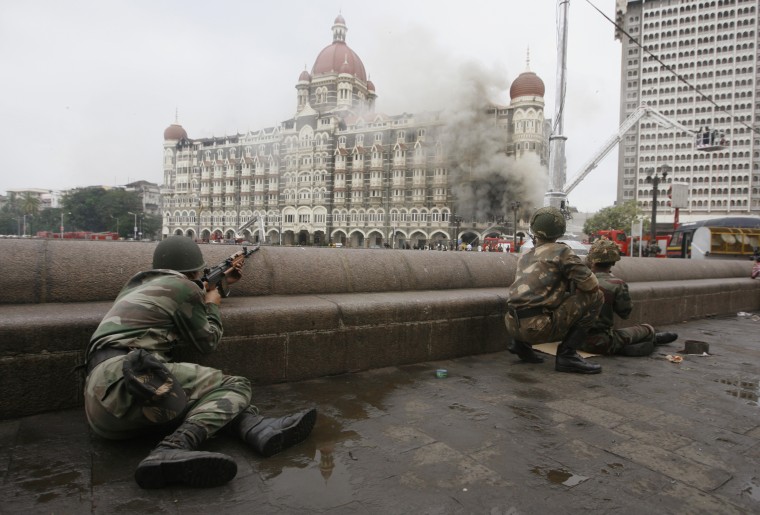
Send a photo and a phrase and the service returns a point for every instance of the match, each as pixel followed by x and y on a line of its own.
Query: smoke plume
pixel 485 179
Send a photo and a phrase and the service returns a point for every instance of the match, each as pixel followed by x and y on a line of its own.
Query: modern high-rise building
pixel 695 62
pixel 340 171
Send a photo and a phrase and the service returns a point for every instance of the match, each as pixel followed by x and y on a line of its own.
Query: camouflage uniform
pixel 603 339
pixel 159 310
pixel 550 278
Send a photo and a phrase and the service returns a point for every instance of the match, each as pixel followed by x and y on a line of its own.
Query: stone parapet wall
pixel 301 313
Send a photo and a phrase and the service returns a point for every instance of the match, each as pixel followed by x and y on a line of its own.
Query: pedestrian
pixel 756 266
pixel 134 387
pixel 637 340
pixel 554 296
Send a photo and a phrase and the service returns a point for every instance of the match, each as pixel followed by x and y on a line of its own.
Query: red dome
pixel 370 86
pixel 304 77
pixel 339 58
pixel 174 132
pixel 527 84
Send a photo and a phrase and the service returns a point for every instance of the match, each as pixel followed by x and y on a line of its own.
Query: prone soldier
pixel 134 387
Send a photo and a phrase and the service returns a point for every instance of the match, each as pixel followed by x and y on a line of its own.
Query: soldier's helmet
pixel 178 253
pixel 548 223
pixel 603 251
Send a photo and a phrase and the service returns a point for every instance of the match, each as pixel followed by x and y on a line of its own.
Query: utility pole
pixel 655 176
pixel 556 196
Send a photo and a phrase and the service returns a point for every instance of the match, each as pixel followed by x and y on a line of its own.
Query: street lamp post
pixel 30 216
pixel 655 176
pixel 62 223
pixel 456 220
pixel 515 205
pixel 131 213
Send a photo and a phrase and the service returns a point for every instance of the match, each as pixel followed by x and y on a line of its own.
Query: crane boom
pixel 642 111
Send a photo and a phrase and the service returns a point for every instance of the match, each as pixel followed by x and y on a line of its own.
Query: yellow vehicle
pixel 717 238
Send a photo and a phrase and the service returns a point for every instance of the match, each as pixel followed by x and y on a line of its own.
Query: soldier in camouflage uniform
pixel 133 387
pixel 637 340
pixel 554 297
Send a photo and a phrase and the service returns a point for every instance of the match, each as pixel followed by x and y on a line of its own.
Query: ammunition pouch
pixel 147 378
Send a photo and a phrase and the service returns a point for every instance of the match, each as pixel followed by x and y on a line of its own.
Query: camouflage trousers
pixel 577 310
pixel 613 341
pixel 213 400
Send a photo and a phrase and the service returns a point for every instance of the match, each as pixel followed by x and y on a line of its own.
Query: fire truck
pixel 619 237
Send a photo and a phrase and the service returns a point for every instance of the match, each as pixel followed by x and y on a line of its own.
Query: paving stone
pixel 496 436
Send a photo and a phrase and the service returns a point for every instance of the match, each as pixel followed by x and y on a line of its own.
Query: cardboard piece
pixel 551 348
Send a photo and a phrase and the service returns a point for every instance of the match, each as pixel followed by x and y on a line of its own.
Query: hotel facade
pixel 340 172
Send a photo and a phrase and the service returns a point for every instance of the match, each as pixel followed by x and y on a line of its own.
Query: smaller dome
pixel 339 20
pixel 174 132
pixel 304 77
pixel 370 86
pixel 527 84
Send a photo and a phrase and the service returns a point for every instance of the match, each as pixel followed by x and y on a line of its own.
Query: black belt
pixel 99 356
pixel 528 312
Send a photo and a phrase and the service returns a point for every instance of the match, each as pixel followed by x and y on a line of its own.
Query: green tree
pixel 617 217
pixel 151 226
pixel 97 209
pixel 48 220
pixel 9 223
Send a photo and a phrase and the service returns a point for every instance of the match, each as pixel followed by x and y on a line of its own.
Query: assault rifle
pixel 215 276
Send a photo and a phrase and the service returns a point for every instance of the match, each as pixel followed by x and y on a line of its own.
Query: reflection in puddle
pixel 324 484
pixel 559 476
pixel 313 476
pixel 743 389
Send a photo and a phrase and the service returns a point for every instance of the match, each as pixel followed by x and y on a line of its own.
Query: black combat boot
pixel 664 338
pixel 568 359
pixel 638 349
pixel 524 351
pixel 175 461
pixel 268 436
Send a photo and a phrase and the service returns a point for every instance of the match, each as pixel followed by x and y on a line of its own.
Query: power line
pixel 671 70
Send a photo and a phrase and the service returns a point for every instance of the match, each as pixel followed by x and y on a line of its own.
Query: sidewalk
pixel 494 437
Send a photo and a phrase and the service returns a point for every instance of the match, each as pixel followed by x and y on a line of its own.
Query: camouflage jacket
pixel 157 310
pixel 545 275
pixel 617 300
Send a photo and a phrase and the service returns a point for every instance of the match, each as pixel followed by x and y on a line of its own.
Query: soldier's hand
pixel 213 297
pixel 235 272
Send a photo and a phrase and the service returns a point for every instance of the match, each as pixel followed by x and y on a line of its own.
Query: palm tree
pixel 30 204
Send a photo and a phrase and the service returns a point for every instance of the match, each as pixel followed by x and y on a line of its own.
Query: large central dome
pixel 338 57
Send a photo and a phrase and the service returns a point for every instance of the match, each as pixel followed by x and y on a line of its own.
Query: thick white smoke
pixel 414 74
pixel 485 178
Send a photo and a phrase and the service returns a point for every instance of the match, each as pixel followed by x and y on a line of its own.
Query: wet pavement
pixel 495 437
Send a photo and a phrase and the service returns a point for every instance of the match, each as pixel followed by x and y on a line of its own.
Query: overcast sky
pixel 88 87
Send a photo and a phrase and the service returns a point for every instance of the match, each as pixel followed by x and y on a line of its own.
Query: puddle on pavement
pixel 741 388
pixel 559 476
pixel 355 397
pixel 314 476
